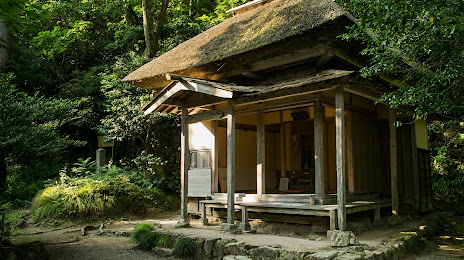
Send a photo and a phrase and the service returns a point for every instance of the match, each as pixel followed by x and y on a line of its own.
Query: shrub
pixel 414 245
pixel 185 247
pixel 90 196
pixel 144 236
pixel 164 241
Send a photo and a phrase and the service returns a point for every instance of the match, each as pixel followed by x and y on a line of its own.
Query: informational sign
pixel 102 143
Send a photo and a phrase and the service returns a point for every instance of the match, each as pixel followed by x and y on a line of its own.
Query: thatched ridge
pixel 273 22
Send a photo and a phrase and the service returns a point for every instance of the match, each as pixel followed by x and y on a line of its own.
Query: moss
pixel 459 228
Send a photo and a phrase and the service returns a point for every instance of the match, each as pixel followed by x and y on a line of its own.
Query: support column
pixel 340 157
pixel 319 150
pixel 230 226
pixel 214 157
pixel 393 161
pixel 260 155
pixel 231 165
pixel 282 145
pixel 184 166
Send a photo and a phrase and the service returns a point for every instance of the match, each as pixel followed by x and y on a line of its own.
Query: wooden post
pixel 214 157
pixel 340 157
pixel 184 166
pixel 415 168
pixel 333 219
pixel 261 155
pixel 282 145
pixel 393 161
pixel 319 149
pixel 231 164
pixel 349 153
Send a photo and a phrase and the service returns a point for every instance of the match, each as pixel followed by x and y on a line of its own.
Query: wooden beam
pixel 214 156
pixel 209 115
pixel 393 161
pixel 340 156
pixel 319 150
pixel 260 155
pixel 349 153
pixel 230 164
pixel 184 166
pixel 282 145
pixel 364 92
pixel 206 89
pixel 293 57
pixel 279 104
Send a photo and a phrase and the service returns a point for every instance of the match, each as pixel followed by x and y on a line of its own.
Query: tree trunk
pixel 148 30
pixel 5 40
pixel 159 22
pixel 129 14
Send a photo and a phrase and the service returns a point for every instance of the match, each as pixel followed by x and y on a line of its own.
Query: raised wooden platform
pixel 291 206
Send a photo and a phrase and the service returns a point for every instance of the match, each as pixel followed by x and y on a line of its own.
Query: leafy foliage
pixel 184 247
pixel 144 236
pixel 108 193
pixel 420 42
pixel 448 160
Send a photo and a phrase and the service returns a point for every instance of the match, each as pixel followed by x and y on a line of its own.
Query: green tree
pixel 29 127
pixel 418 42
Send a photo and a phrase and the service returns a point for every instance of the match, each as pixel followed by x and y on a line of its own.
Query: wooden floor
pixel 295 204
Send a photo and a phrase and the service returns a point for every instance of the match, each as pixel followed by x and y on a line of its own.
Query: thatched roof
pixel 265 25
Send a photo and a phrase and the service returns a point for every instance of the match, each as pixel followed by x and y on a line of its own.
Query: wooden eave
pixel 200 96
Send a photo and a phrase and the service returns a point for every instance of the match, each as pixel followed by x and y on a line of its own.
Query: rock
pixel 341 238
pixel 291 255
pixel 219 246
pixel 183 223
pixel 163 252
pixel 208 247
pixel 322 256
pixel 87 228
pixel 230 228
pixel 236 257
pixel 264 252
pixel 348 256
pixel 235 248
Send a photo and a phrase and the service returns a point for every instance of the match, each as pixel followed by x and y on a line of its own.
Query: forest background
pixel 61 88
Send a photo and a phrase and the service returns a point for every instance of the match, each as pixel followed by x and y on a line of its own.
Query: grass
pixel 164 241
pixel 144 236
pixel 185 247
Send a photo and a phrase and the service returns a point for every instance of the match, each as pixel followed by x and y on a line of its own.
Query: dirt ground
pixel 68 243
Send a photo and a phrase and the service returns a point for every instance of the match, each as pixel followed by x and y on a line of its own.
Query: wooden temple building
pixel 275 118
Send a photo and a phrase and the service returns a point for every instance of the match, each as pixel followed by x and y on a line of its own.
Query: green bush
pixel 90 196
pixel 185 247
pixel 164 241
pixel 144 236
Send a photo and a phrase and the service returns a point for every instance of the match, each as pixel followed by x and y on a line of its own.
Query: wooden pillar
pixel 340 156
pixel 282 145
pixel 230 164
pixel 184 166
pixel 214 157
pixel 349 153
pixel 415 168
pixel 393 161
pixel 319 149
pixel 261 154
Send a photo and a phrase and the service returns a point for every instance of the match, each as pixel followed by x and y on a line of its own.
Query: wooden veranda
pixel 199 100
